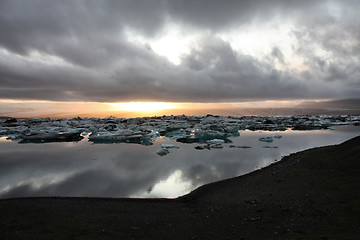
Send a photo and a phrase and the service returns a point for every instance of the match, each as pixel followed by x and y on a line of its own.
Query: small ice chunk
pixel 215 141
pixel 167 146
pixel 216 146
pixel 266 139
pixel 277 136
pixel 199 148
pixel 11 137
pixel 188 140
pixel 51 137
pixel 163 152
pixel 240 146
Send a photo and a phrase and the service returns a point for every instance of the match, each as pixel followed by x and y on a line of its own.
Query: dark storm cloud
pixel 96 61
pixel 337 37
pixel 43 24
pixel 238 76
pixel 217 15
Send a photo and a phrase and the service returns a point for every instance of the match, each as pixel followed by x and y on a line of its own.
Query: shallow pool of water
pixel 132 170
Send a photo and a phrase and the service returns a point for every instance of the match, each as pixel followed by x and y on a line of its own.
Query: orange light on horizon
pixel 143 106
pixel 42 108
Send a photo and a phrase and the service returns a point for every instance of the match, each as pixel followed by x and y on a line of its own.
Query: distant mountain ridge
pixel 351 103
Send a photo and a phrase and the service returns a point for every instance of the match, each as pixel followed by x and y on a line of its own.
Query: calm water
pixel 131 170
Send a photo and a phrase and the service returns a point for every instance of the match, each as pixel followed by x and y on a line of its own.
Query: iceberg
pixel 167 146
pixel 216 141
pixel 216 146
pixel 207 135
pixel 209 146
pixel 266 139
pixel 208 129
pixel 188 140
pixel 112 138
pixel 240 146
pixel 50 137
pixel 270 139
pixel 163 152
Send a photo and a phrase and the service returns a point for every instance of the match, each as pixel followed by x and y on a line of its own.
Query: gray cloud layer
pixel 78 51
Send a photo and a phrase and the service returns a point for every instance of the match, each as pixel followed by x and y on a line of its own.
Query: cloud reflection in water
pixel 130 170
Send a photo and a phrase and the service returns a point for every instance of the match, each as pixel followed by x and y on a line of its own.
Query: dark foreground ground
pixel 314 194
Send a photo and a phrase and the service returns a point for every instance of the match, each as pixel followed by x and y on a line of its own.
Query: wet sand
pixel 313 194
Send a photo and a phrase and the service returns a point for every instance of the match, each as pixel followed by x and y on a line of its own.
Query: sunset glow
pixel 154 99
pixel 143 106
pixel 183 55
pixel 32 108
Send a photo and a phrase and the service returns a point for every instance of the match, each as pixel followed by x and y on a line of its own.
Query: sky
pixel 199 51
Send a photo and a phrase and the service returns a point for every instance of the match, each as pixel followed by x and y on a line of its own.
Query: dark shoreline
pixel 312 194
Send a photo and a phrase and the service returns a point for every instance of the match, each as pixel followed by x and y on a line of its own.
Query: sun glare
pixel 172 44
pixel 143 106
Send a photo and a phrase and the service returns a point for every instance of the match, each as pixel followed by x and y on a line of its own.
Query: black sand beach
pixel 313 194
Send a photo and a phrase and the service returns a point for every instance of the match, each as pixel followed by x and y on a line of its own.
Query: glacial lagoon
pixel 87 168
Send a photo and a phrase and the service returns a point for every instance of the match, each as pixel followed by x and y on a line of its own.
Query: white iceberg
pixel 215 141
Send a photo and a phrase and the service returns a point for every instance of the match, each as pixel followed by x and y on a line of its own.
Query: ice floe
pixel 167 146
pixel 52 137
pixel 211 131
pixel 240 146
pixel 268 139
pixel 216 141
pixel 163 152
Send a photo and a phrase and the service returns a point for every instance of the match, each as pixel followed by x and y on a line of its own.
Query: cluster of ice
pixel 210 130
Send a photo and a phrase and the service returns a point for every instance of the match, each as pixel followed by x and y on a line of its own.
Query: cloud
pixel 69 173
pixel 219 15
pixel 80 50
pixel 95 183
pixel 276 53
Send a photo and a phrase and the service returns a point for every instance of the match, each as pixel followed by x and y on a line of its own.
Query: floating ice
pixel 209 146
pixel 208 129
pixel 241 146
pixel 267 139
pixel 188 140
pixel 52 137
pixel 163 152
pixel 270 139
pixel 216 141
pixel 112 138
pixel 217 145
pixel 167 146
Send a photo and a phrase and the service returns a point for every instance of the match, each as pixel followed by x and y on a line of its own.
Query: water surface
pixel 132 170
